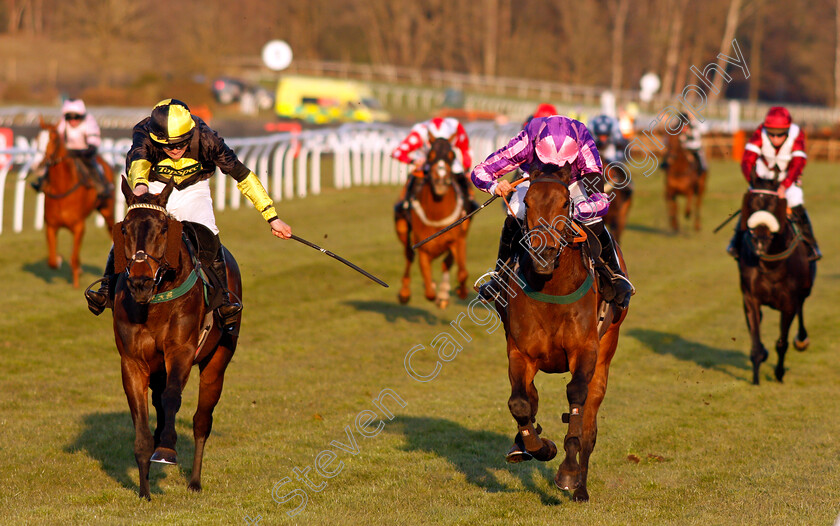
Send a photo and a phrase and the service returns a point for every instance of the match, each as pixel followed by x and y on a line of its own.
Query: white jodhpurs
pixel 193 203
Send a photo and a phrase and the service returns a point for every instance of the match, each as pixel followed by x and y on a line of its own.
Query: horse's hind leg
pixel 671 202
pixel 405 292
pixel 460 249
pixel 425 261
pixel 210 389
pixel 582 365
pixel 135 384
pixel 758 354
pixel 782 343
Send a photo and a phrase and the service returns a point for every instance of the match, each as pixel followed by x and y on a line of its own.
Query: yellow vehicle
pixel 324 100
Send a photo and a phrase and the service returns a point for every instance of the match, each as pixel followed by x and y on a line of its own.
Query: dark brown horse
pixel 616 218
pixel 551 320
pixel 438 203
pixel 163 327
pixel 774 269
pixel 682 178
pixel 68 200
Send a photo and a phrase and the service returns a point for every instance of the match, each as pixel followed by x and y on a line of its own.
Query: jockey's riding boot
pixel 402 206
pixel 800 217
pixel 228 309
pixel 734 248
pixel 510 233
pixel 471 204
pixel 611 268
pixel 99 300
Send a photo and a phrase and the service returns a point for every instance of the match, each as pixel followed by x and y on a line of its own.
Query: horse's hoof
pixel 547 452
pixel 195 486
pixel 567 480
pixel 164 455
pixel 780 373
pixel 442 303
pixel 403 299
pixel 581 495
pixel 517 454
pixel 801 345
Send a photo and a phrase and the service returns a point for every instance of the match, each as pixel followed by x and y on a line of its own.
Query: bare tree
pixel 725 45
pixel 620 8
pixel 674 46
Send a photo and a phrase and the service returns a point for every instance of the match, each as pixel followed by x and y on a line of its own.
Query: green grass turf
pixel 320 342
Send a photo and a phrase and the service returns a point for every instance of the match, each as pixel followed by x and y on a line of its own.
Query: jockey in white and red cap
pixel 776 151
pixel 415 147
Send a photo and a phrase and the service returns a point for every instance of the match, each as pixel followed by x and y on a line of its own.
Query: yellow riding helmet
pixel 170 122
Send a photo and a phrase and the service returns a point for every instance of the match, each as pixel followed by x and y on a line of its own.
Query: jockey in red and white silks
pixel 776 152
pixel 416 145
pixel 784 163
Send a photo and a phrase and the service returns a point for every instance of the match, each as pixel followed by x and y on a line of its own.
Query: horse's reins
pixel 49 163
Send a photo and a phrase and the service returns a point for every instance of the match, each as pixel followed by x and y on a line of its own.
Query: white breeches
pixel 794 195
pixel 193 203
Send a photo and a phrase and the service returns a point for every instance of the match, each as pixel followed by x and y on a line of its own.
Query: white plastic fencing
pixel 288 165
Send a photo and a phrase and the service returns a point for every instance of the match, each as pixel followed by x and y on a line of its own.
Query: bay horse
pixel 68 201
pixel 438 203
pixel 616 218
pixel 774 270
pixel 555 322
pixel 682 178
pixel 162 327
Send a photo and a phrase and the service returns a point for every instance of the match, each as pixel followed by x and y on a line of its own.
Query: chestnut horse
pixel 162 327
pixel 774 269
pixel 68 200
pixel 438 203
pixel 682 178
pixel 552 319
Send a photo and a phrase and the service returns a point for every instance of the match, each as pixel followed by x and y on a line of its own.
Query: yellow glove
pixel 252 188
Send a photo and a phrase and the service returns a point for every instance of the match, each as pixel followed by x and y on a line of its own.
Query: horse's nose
pixel 141 288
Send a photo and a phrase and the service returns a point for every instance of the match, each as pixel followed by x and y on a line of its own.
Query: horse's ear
pixel 126 189
pixel 164 194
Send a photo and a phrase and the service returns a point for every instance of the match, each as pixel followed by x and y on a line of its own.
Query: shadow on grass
pixel 473 453
pixel 703 355
pixel 394 311
pixel 45 272
pixel 647 229
pixel 108 438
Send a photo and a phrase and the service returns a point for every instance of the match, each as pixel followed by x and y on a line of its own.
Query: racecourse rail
pixel 289 165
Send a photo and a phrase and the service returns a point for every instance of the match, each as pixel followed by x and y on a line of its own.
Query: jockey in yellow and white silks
pixel 174 145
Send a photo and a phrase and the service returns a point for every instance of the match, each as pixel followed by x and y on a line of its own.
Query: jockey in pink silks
pixel 546 144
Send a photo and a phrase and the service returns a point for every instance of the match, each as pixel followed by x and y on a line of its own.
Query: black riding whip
pixel 330 254
pixel 728 219
pixel 458 222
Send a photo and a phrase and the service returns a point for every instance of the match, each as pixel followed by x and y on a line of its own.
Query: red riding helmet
pixel 545 110
pixel 777 117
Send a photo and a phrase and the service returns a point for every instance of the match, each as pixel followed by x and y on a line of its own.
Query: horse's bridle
pixel 141 256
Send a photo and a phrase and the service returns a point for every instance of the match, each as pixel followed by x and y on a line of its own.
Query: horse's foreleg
pixel 178 363
pixel 461 261
pixel 758 354
pixel 582 366
pixel 75 259
pixel 401 226
pixel 671 202
pixel 523 404
pixel 210 389
pixel 135 379
pixel 157 382
pixel 442 298
pixel 52 247
pixel 785 322
pixel 425 262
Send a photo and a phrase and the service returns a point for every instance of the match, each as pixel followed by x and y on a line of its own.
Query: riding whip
pixel 458 222
pixel 728 219
pixel 339 258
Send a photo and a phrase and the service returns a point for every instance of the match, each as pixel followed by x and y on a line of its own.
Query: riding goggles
pixel 74 116
pixel 176 146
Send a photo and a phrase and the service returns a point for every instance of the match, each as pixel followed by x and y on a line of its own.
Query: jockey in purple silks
pixel 547 144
